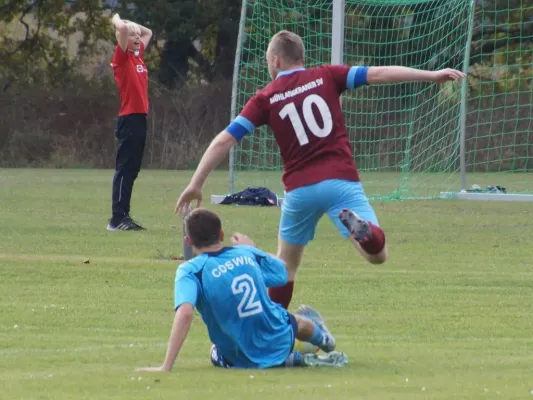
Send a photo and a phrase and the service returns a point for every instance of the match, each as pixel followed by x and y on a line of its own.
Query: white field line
pixel 78 259
pixel 13 352
pixel 357 271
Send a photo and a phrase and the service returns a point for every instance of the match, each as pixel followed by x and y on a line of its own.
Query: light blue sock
pixel 317 339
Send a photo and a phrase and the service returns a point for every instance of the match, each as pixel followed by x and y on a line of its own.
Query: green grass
pixel 449 316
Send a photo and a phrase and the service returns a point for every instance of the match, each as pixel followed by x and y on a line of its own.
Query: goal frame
pixel 337 58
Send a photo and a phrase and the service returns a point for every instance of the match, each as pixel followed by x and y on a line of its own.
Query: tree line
pixel 58 98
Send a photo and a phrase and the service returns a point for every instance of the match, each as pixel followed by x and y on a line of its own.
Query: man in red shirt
pixel 131 76
pixel 303 109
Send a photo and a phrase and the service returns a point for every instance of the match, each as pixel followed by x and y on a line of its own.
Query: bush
pixel 74 126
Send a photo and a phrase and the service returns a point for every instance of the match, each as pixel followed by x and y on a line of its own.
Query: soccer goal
pixel 411 140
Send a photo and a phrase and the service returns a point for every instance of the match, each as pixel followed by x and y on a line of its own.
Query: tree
pixel 190 37
pixel 35 35
pixel 502 45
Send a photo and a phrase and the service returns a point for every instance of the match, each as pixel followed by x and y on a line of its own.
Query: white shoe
pixel 332 359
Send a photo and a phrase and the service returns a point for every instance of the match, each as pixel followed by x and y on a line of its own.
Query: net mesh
pixel 406 136
pixel 499 130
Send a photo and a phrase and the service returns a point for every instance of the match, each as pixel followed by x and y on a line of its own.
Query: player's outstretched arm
pixel 213 156
pixel 394 74
pixel 122 30
pixel 180 328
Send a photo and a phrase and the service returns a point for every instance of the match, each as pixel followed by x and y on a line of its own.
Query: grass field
pixel 448 317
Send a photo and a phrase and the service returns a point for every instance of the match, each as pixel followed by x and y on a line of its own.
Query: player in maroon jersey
pixel 303 109
pixel 131 76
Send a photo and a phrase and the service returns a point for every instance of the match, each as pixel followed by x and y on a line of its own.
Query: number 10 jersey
pixel 302 107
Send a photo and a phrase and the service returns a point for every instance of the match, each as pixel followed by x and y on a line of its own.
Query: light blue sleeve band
pixel 356 77
pixel 240 127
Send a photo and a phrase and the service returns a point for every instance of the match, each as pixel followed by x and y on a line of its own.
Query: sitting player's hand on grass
pixel 447 75
pixel 153 369
pixel 240 239
pixel 190 194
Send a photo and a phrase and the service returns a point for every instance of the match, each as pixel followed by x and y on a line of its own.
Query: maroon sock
pixel 377 242
pixel 282 294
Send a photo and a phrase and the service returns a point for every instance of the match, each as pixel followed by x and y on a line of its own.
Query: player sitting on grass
pixel 228 287
pixel 302 107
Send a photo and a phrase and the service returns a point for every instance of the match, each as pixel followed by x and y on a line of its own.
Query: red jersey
pixel 303 109
pixel 131 76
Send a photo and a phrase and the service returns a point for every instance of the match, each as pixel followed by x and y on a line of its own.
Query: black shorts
pixel 294 324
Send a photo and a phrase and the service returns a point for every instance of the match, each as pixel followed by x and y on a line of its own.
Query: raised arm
pixel 123 34
pixel 253 115
pixel 146 35
pixel 213 156
pixel 122 30
pixel 239 239
pixel 395 74
pixel 273 269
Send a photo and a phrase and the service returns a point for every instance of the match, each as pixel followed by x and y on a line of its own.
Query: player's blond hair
pixel 132 27
pixel 288 46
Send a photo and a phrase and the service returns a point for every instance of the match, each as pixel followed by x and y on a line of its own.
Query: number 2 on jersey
pixel 309 118
pixel 248 305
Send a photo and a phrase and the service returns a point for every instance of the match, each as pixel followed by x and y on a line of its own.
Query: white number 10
pixel 309 118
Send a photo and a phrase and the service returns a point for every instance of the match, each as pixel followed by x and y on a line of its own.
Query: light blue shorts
pixel 302 208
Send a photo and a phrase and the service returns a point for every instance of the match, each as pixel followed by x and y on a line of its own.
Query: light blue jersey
pixel 228 288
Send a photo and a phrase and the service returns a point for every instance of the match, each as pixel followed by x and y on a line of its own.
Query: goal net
pixel 406 137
